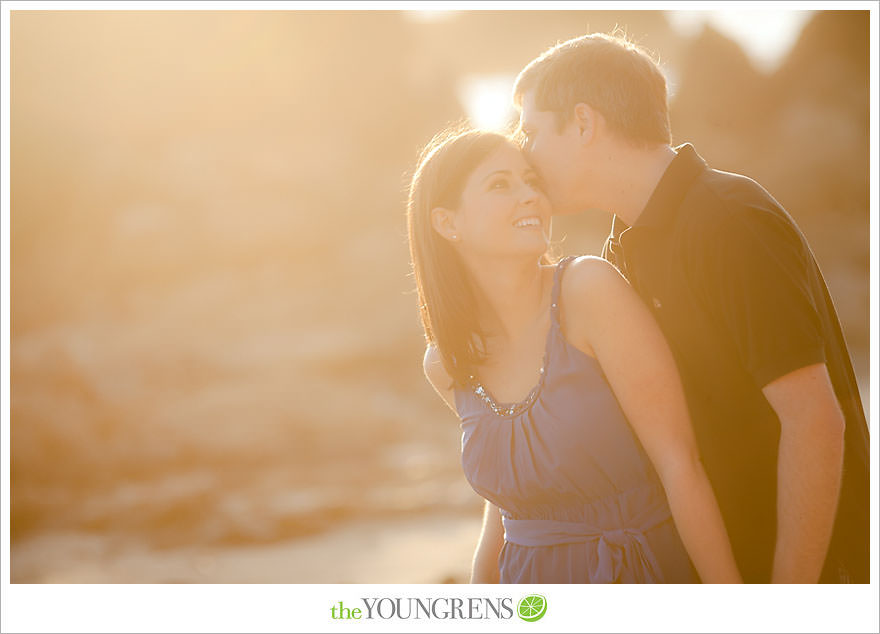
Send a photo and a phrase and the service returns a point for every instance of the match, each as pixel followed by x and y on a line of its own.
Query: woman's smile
pixel 529 223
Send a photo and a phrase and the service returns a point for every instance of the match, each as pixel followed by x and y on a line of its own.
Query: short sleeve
pixel 758 288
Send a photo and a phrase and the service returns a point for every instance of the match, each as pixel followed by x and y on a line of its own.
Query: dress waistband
pixel 618 549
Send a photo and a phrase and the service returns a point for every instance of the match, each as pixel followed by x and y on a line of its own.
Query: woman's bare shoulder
pixel 590 286
pixel 434 370
pixel 587 277
pixel 437 375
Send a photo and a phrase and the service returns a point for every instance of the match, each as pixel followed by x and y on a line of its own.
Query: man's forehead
pixel 529 113
pixel 528 105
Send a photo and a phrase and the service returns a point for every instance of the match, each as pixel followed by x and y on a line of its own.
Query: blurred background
pixel 215 346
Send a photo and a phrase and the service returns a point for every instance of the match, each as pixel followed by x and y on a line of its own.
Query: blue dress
pixel 579 499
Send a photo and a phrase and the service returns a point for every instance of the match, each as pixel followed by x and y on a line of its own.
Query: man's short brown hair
pixel 613 75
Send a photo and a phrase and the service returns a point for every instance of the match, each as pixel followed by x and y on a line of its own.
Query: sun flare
pixel 487 100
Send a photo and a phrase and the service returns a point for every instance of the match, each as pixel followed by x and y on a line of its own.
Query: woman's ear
pixel 444 222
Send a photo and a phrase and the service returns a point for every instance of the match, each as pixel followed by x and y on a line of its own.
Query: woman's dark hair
pixel 447 295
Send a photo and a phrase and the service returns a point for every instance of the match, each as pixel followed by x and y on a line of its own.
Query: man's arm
pixel 809 471
pixel 760 289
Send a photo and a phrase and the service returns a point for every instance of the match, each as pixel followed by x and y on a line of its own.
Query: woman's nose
pixel 529 194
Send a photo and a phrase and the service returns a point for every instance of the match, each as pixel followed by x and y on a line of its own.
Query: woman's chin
pixel 531 246
pixel 539 245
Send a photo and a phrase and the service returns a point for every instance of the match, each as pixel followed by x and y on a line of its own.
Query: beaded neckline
pixel 508 409
pixel 514 409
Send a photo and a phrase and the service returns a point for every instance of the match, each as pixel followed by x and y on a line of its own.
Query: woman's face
pixel 503 210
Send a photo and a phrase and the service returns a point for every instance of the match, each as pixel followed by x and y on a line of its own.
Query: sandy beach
pixel 434 548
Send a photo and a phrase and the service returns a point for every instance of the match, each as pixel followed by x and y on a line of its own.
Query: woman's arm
pixel 602 313
pixel 485 566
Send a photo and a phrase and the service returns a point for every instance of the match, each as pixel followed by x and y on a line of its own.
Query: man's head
pixel 580 101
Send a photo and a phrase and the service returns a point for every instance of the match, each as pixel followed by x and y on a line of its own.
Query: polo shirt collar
pixel 669 193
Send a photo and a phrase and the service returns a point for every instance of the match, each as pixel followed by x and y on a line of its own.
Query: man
pixel 736 289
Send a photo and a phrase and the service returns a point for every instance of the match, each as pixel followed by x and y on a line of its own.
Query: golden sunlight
pixel 765 36
pixel 486 98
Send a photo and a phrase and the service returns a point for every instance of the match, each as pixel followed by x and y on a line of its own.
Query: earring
pixel 454 237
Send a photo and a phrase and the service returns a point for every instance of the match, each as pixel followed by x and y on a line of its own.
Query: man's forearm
pixel 809 475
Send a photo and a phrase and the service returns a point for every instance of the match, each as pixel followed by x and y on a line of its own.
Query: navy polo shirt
pixel 737 291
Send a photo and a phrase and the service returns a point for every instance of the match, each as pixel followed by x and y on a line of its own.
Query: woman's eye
pixel 501 183
pixel 535 183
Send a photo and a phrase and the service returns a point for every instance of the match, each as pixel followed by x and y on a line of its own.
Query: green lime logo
pixel 532 607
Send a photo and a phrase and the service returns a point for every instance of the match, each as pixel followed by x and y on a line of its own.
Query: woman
pixel 575 427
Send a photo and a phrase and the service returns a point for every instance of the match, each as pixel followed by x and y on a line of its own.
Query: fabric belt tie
pixel 617 549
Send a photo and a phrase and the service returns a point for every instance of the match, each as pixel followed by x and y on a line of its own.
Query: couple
pixel 682 409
